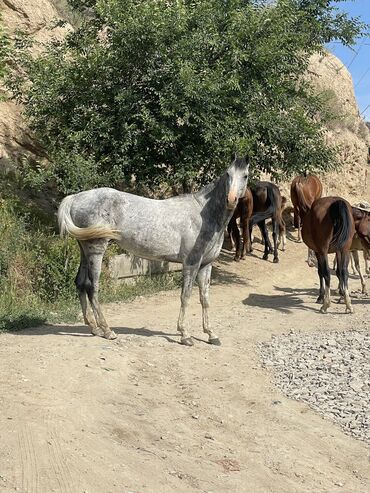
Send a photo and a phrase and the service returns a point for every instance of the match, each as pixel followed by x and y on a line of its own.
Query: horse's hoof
pixel 187 341
pixel 320 300
pixel 215 341
pixel 110 335
pixel 97 331
pixel 265 257
pixel 349 309
pixel 323 310
pixel 276 260
pixel 236 259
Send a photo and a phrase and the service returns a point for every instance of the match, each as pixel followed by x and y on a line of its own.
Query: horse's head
pixel 362 225
pixel 237 176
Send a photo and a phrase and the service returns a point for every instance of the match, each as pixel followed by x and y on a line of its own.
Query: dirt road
pixel 144 414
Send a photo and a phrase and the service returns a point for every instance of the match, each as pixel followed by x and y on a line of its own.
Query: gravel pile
pixel 329 371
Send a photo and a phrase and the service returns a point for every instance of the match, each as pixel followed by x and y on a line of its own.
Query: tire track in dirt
pixel 29 465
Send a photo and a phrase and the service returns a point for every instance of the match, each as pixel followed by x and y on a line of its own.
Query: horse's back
pixel 311 188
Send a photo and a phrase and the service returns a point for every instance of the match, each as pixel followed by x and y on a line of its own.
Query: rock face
pixel 349 132
pixel 33 17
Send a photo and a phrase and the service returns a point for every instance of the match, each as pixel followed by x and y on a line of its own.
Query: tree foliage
pixel 164 90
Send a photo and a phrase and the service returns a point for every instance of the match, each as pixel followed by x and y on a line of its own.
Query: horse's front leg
pixel 299 228
pixel 366 258
pixel 356 260
pixel 282 233
pixel 204 281
pixel 275 227
pixel 188 278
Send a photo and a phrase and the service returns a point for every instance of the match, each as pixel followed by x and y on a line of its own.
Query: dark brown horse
pixel 268 203
pixel 328 227
pixel 304 190
pixel 243 212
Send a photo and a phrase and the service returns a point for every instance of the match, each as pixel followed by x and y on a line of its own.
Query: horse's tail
pixel 269 212
pixel 303 206
pixel 341 219
pixel 67 226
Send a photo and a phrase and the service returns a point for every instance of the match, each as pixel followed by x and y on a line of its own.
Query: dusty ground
pixel 144 414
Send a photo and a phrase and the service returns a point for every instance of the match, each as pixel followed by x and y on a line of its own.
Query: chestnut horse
pixel 310 190
pixel 328 227
pixel 243 211
pixel 268 203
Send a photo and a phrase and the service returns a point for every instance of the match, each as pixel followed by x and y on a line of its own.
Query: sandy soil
pixel 144 414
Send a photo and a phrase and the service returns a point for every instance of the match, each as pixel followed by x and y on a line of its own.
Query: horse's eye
pixel 246 177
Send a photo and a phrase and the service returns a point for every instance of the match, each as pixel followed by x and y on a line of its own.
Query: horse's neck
pixel 213 199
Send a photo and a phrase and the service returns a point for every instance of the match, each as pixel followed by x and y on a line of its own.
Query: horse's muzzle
pixel 232 200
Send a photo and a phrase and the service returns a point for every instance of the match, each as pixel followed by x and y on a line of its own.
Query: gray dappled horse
pixel 186 229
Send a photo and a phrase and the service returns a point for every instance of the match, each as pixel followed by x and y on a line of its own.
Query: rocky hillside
pixel 349 131
pixel 34 17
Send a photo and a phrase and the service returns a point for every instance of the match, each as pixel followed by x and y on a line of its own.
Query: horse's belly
pixel 151 250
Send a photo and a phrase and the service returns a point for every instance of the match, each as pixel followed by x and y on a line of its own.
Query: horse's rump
pixel 342 224
pixel 266 196
pixel 67 226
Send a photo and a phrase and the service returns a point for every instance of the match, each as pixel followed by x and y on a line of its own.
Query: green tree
pixel 164 90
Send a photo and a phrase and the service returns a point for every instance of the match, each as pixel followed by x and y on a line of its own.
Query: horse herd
pixel 189 229
pixel 326 224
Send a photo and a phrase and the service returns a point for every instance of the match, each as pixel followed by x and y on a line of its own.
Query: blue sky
pixel 358 61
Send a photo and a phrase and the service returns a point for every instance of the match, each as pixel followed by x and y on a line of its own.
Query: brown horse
pixel 268 203
pixel 328 227
pixel 304 190
pixel 243 211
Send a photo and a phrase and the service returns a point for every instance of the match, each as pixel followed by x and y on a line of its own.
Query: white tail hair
pixel 67 226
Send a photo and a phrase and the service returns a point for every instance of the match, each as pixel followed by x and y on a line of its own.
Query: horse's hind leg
pixel 204 280
pixel 320 299
pixel 324 274
pixel 94 251
pixel 266 240
pixel 82 282
pixel 188 278
pixel 342 268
